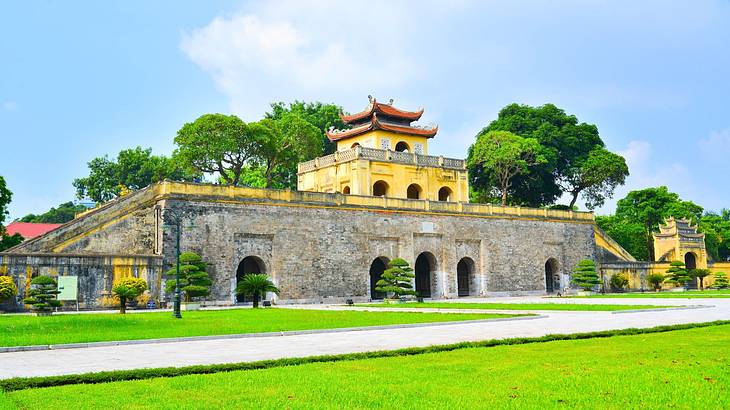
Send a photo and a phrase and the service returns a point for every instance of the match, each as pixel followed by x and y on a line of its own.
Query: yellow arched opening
pixel 445 194
pixel 413 191
pixel 380 188
pixel 402 146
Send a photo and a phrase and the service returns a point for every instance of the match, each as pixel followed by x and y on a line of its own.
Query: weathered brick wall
pixel 315 253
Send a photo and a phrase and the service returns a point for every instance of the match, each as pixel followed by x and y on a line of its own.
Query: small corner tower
pixel 678 240
pixel 384 154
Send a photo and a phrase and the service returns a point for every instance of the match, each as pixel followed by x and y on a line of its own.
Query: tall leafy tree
pixel 323 116
pixel 595 177
pixel 64 213
pixel 133 168
pixel 630 235
pixel 6 241
pixel 500 156
pixel 217 143
pixel 716 228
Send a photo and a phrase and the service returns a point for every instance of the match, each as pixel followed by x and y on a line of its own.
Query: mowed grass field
pixel 24 330
pixel 691 294
pixel 514 306
pixel 683 369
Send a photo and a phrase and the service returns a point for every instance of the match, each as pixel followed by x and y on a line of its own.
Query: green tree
pixel 700 274
pixel 194 280
pixel 721 281
pixel 133 168
pixel 564 140
pixel 716 228
pixel 585 276
pixel 64 213
pixel 322 116
pixel 650 207
pixel 677 274
pixel 8 290
pixel 655 280
pixel 500 156
pixel 397 279
pixel 6 241
pixel 287 141
pixel 629 235
pixel 42 295
pixel 256 285
pixel 594 177
pixel 128 289
pixel 619 281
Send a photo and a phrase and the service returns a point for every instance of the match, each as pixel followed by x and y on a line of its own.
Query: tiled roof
pixel 30 230
pixel 375 124
pixel 385 109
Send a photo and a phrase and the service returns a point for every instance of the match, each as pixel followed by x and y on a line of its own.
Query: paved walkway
pixel 94 359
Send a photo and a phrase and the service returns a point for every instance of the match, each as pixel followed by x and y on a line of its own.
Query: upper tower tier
pixel 383 126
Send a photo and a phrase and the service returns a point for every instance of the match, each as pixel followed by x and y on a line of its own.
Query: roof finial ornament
pixel 370 98
pixel 390 102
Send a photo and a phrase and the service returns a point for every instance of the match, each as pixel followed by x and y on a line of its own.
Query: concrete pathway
pixel 94 359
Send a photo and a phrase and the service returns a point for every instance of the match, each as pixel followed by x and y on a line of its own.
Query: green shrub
pixel 619 281
pixel 585 276
pixel 8 290
pixel 721 281
pixel 397 279
pixel 194 280
pixel 677 274
pixel 42 294
pixel 700 274
pixel 128 289
pixel 256 285
pixel 655 280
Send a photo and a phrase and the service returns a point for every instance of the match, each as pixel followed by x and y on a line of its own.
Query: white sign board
pixel 69 287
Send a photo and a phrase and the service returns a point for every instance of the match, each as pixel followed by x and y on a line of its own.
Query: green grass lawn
pixel 514 306
pixel 678 369
pixel 22 330
pixel 691 294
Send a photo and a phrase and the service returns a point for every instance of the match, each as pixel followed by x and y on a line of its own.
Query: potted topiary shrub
pixel 127 289
pixel 194 280
pixel 8 290
pixel 721 281
pixel 256 285
pixel 396 280
pixel 585 276
pixel 655 280
pixel 619 282
pixel 42 295
pixel 677 275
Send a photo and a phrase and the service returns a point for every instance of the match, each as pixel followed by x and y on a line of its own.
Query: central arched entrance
pixel 690 263
pixel 249 265
pixel 552 281
pixel 376 273
pixel 464 277
pixel 425 267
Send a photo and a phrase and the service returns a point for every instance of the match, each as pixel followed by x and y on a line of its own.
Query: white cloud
pixel 717 144
pixel 10 106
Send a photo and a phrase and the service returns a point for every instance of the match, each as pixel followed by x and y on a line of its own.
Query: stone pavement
pixel 187 353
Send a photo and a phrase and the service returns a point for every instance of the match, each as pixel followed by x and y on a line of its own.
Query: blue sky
pixel 81 79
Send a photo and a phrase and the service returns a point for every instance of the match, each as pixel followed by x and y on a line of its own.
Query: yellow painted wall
pixel 373 139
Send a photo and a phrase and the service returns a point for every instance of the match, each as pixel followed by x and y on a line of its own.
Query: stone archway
pixel 552 276
pixel 445 194
pixel 247 266
pixel 413 191
pixel 465 277
pixel 425 270
pixel 376 272
pixel 690 263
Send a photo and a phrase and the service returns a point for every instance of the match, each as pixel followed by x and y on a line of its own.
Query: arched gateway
pixel 376 272
pixel 552 280
pixel 465 277
pixel 249 265
pixel 425 268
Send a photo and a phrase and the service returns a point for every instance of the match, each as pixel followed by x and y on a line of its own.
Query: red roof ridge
pixel 376 124
pixel 374 106
pixel 30 230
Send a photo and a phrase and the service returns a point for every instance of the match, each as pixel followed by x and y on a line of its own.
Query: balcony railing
pixel 375 154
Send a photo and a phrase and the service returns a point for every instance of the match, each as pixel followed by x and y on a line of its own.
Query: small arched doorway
pixel 444 194
pixel 465 277
pixel 413 191
pixel 690 263
pixel 376 273
pixel 425 268
pixel 380 188
pixel 346 190
pixel 552 279
pixel 402 146
pixel 249 265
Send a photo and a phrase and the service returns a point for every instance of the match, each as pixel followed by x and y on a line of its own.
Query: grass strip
pixel 22 383
pixel 516 306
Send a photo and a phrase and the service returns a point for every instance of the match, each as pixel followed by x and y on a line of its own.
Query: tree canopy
pixel 64 213
pixel 5 197
pixel 574 153
pixel 323 116
pixel 133 168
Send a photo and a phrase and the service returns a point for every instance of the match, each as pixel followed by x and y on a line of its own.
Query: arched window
pixel 376 273
pixel 380 188
pixel 346 190
pixel 552 277
pixel 413 191
pixel 425 270
pixel 445 194
pixel 465 277
pixel 357 144
pixel 249 265
pixel 402 146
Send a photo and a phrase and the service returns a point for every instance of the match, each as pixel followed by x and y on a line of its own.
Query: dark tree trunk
pixel 504 196
pixel 122 305
pixel 256 300
pixel 573 201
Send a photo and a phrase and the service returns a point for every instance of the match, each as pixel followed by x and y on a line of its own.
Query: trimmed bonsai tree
pixel 397 279
pixel 8 290
pixel 194 280
pixel 256 285
pixel 700 274
pixel 42 295
pixel 677 274
pixel 721 281
pixel 619 281
pixel 585 276
pixel 128 289
pixel 655 280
